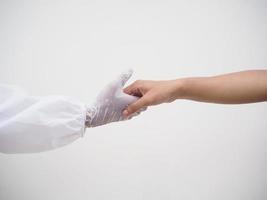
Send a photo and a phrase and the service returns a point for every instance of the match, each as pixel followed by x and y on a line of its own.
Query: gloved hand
pixel 110 103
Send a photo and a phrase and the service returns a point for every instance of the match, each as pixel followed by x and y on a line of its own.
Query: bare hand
pixel 150 93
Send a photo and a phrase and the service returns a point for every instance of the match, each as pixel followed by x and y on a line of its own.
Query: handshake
pixel 34 124
pixel 115 103
pixel 111 102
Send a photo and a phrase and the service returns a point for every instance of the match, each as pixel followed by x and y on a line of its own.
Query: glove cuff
pixel 90 114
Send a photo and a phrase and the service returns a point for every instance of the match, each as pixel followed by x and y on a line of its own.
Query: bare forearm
pixel 234 88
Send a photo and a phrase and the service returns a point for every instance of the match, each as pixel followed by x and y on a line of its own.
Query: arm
pixel 234 88
pixel 33 124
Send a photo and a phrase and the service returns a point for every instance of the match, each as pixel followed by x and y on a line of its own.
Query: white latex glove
pixel 110 103
pixel 31 124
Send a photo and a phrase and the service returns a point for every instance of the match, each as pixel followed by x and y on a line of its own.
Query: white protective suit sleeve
pixel 33 124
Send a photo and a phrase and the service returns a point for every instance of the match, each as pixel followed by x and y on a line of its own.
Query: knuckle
pixel 138 82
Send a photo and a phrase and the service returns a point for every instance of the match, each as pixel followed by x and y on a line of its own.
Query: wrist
pixel 181 88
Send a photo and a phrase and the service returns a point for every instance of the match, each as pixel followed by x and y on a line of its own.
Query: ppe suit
pixel 33 124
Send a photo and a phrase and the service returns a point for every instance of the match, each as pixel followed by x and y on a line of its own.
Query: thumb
pixel 118 83
pixel 124 77
pixel 136 106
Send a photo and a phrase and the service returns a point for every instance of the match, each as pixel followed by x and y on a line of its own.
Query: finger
pixel 133 89
pixel 130 88
pixel 119 82
pixel 136 106
pixel 124 77
pixel 132 115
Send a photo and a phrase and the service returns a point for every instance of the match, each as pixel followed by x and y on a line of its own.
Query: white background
pixel 184 150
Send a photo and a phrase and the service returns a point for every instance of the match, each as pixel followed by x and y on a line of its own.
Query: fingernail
pixel 125 112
